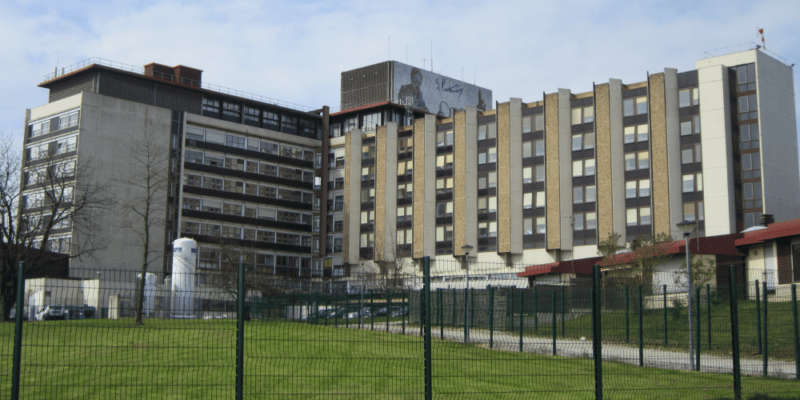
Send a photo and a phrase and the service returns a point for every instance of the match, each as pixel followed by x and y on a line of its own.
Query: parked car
pixel 51 312
pixel 398 311
pixel 13 313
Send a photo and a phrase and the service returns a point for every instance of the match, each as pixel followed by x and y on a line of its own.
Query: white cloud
pixel 295 51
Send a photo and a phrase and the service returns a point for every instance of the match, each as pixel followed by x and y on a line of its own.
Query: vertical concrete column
pixel 509 177
pixel 386 192
pixel 673 131
pixel 659 166
pixel 352 196
pixel 616 137
pixel 552 183
pixel 425 186
pixel 465 172
pixel 565 166
pixel 715 127
pixel 605 212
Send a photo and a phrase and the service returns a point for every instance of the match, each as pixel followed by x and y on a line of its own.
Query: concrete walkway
pixel 665 359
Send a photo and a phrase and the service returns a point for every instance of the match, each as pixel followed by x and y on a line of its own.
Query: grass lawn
pixel 780 332
pixel 191 359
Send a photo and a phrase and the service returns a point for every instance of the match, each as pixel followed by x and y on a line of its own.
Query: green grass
pixel 779 324
pixel 167 359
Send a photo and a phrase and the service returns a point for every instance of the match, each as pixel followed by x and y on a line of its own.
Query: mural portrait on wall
pixel 412 90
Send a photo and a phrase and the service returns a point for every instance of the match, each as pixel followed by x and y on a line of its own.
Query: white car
pixel 51 312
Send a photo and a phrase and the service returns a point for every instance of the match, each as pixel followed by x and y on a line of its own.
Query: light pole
pixel 466 249
pixel 687 227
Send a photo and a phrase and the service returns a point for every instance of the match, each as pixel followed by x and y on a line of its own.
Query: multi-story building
pixel 319 195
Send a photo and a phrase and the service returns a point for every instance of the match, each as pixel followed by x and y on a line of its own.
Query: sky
pixel 295 51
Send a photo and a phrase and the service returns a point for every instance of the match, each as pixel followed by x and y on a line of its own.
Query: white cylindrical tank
pixel 149 292
pixel 184 259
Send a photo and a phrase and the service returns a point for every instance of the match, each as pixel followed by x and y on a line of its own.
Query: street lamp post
pixel 687 227
pixel 466 248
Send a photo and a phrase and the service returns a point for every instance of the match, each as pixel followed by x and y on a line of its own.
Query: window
pixel 235 141
pixel 583 167
pixel 405 190
pixel 405 145
pixel 191 204
pixel 492 177
pixel 367 151
pixel 367 173
pixel 444 139
pixel 371 121
pixel 444 186
pixel 271 120
pixel 527 149
pixel 577 222
pixel 748 107
pixel 639 159
pixel 487 155
pixel 527 226
pixel 367 195
pixel 335 130
pixel 693 182
pixel 583 141
pixel 444 209
pixel 582 115
pixel 444 162
pixel 231 109
pixel 584 194
pixel 349 124
pixel 444 233
pixel 746 77
pixel 527 175
pixel 210 105
pixel 643 189
pixel 526 124
pixel 637 133
pixel 751 165
pixel 367 239
pixel 493 204
pixel 693 211
pixel 232 209
pixel 539 173
pixel 233 186
pixel 634 106
pixel 234 163
pixel 539 147
pixel 488 131
pixel 751 194
pixel 288 122
pixel 751 219
pixel 540 199
pixel 690 126
pixel 748 136
pixel 527 201
pixel 541 226
pixel 367 217
pixel 251 114
pixel 638 216
pixel 691 153
pixel 405 167
pixel 688 97
pixel 40 128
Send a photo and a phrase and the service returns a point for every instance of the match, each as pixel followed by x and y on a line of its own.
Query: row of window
pixel 44 127
pixel 252 166
pixel 241 233
pixel 541 226
pixel 269 119
pixel 41 198
pixel 210 258
pixel 60 244
pixel 245 210
pixel 584 221
pixel 50 174
pixel 253 144
pixel 51 148
pixel 252 189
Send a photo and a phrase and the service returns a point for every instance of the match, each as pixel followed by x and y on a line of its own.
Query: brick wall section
pixel 658 167
pixel 605 220
pixel 552 182
pixel 71 87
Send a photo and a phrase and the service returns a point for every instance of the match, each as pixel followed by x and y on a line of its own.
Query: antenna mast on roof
pixel 431 55
pixel 390 47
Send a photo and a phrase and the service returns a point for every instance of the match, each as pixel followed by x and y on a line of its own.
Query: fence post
pixel 796 333
pixel 664 293
pixel 454 306
pixel 521 316
pixel 240 335
pixel 708 312
pixel 553 293
pixel 535 309
pixel 563 308
pixel 697 344
pixel 404 303
pixel 472 307
pixel 597 335
pixel 388 309
pixel 425 320
pixel 766 350
pixel 641 334
pixel 627 315
pixel 15 373
pixel 327 308
pixel 734 302
pixel 336 313
pixel 441 314
pixel 466 315
pixel 491 319
pixel 758 316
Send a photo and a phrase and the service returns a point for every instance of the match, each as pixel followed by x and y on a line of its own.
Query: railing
pixel 168 77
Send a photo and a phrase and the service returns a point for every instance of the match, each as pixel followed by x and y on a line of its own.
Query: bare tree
pixel 148 176
pixel 636 265
pixel 391 267
pixel 47 210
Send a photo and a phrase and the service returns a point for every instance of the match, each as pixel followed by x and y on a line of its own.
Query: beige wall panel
pixel 605 219
pixel 465 201
pixel 565 166
pixel 515 175
pixel 552 185
pixel 503 182
pixel 386 193
pixel 617 157
pixel 659 166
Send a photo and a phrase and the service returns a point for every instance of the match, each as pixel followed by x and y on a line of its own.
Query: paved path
pixel 665 359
